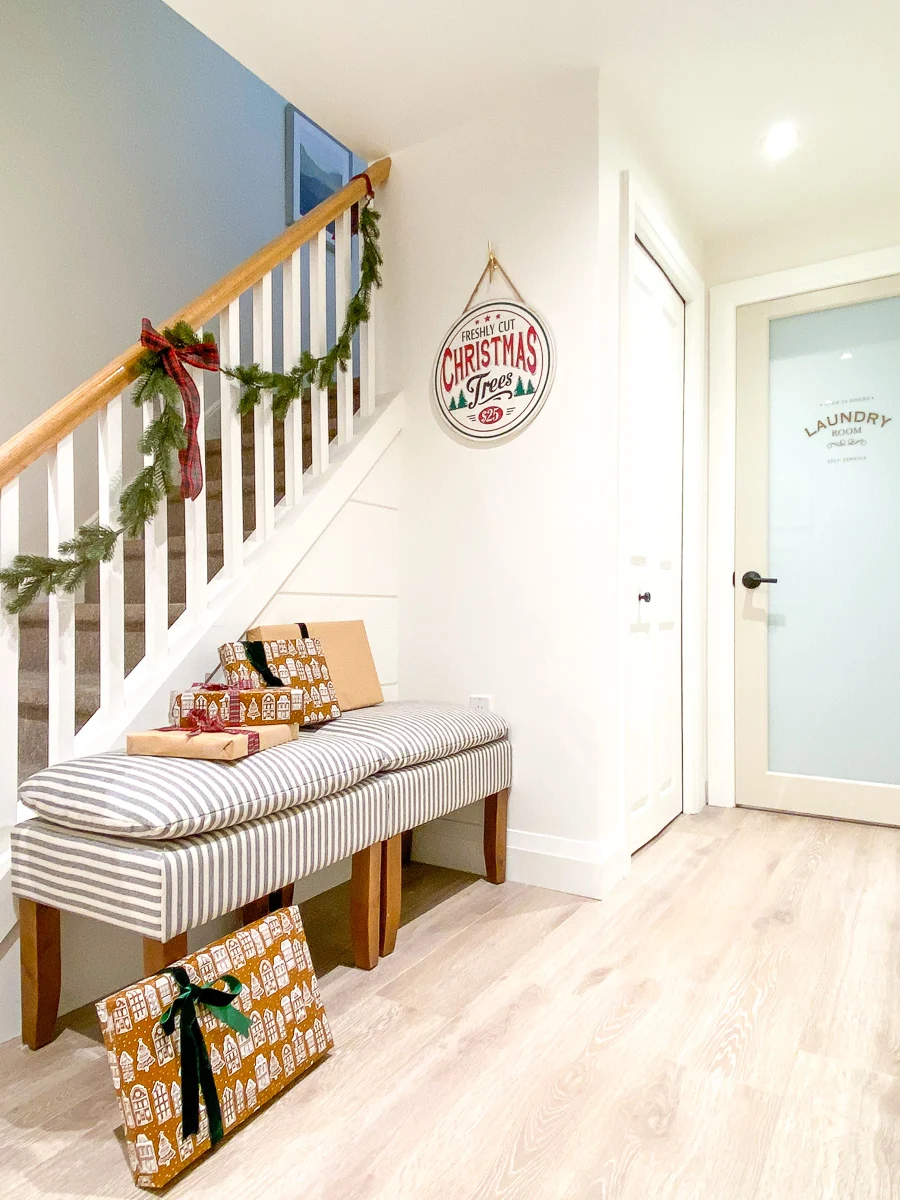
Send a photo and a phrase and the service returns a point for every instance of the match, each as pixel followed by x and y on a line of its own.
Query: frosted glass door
pixel 818 651
pixel 834 520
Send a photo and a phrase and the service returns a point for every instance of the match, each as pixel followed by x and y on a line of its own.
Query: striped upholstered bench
pixel 161 846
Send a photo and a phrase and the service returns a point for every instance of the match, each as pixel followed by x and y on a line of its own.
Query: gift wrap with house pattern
pixel 255 706
pixel 288 1033
pixel 297 662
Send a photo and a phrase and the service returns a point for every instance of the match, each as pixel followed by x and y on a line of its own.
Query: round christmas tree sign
pixel 493 371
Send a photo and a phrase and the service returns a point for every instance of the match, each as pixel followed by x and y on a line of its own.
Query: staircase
pixel 33 623
pixel 77 670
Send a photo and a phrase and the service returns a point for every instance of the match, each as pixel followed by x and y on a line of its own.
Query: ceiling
pixel 700 81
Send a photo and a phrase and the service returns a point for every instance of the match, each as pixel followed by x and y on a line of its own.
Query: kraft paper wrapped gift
pixel 260 1023
pixel 296 662
pixel 226 745
pixel 345 645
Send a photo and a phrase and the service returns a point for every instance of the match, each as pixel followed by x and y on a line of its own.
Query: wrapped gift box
pixel 226 746
pixel 252 706
pixel 345 645
pixel 278 1002
pixel 294 662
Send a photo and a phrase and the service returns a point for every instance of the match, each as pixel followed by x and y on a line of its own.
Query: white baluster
pixel 367 358
pixel 112 574
pixel 342 242
pixel 9 661
pixel 318 344
pixel 232 466
pixel 156 572
pixel 292 311
pixel 264 450
pixel 195 547
pixel 61 628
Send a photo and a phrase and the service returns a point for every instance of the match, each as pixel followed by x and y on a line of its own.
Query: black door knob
pixel 645 596
pixel 752 579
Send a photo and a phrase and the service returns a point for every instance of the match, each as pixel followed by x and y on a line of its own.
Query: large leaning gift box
pixel 345 645
pixel 197 1049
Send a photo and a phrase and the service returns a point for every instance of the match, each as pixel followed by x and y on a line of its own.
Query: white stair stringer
pixel 235 603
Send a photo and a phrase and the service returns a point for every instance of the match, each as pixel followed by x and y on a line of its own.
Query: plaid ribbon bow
pixel 198 722
pixel 174 360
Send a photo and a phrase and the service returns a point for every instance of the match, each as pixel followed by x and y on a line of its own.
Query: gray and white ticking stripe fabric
pixel 407 732
pixel 429 790
pixel 144 797
pixel 161 888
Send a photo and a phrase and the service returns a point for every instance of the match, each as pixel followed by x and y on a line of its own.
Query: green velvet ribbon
pixel 196 1072
pixel 257 656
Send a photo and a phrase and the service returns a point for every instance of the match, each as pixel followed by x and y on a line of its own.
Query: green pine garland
pixel 30 575
pixel 310 371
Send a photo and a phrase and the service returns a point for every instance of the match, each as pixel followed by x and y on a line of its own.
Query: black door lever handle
pixel 752 579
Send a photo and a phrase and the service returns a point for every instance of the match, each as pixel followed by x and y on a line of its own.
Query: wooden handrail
pixel 27 446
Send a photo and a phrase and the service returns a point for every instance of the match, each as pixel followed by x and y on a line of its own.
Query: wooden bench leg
pixel 365 906
pixel 495 811
pixel 255 910
pixel 281 897
pixel 391 884
pixel 41 971
pixel 159 955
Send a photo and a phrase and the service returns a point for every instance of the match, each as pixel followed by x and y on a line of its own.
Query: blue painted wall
pixel 138 163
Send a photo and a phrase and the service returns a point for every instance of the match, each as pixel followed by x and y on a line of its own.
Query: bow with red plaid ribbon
pixel 198 722
pixel 174 360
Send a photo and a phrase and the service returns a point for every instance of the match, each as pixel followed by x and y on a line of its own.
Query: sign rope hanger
pixel 493 264
pixel 495 367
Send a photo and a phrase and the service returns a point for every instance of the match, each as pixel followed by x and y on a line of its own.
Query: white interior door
pixel 652 496
pixel 817 653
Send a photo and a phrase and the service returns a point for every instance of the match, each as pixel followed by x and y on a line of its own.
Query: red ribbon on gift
pixel 197 722
pixel 204 355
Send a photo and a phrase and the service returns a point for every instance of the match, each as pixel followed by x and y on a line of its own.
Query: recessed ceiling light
pixel 781 140
pixel 846 354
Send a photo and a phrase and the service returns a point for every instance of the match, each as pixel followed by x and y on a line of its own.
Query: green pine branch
pixel 310 371
pixel 30 575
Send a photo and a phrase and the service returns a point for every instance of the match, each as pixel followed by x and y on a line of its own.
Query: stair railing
pixel 298 259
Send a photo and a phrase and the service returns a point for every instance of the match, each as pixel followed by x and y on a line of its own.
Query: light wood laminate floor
pixel 726 1026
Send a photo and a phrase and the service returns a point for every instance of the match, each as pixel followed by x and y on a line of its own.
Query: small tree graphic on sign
pixel 520 389
pixel 529 391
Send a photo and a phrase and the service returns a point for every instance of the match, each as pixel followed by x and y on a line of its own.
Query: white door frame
pixel 640 219
pixel 724 303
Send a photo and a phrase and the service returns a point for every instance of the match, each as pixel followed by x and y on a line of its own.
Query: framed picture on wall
pixel 315 164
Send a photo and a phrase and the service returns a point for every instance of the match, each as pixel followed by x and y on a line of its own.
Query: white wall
pixel 778 247
pixel 351 572
pixel 508 553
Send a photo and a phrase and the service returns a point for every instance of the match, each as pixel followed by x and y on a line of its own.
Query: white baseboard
pixel 561 864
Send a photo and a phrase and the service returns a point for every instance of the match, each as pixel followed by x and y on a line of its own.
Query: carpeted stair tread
pixel 87 615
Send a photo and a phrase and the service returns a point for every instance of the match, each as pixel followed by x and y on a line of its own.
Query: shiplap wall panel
pixel 357 555
pixel 383 483
pixel 352 572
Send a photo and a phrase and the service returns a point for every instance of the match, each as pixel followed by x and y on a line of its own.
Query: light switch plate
pixel 485 703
